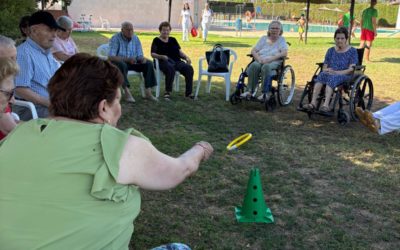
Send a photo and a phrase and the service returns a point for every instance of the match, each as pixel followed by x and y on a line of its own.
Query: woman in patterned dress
pixel 337 68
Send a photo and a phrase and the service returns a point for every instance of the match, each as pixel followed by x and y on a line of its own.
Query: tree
pixel 10 13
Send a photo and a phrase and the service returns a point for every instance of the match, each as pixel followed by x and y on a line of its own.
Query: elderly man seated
pixel 127 54
pixel 37 64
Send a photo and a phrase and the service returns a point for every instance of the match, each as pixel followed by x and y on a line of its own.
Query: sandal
pixel 324 109
pixel 167 96
pixel 309 106
pixel 191 96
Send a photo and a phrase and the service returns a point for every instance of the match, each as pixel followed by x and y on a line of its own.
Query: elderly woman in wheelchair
pixel 337 68
pixel 340 76
pixel 267 54
pixel 268 64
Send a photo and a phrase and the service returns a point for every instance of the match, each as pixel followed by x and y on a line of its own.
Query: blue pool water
pixel 287 27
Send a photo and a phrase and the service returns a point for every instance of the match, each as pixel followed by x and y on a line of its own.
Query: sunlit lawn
pixel 328 186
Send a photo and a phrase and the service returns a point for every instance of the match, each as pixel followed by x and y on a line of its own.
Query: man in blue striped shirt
pixel 127 54
pixel 37 64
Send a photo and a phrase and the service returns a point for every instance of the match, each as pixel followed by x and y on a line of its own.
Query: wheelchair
pixel 285 78
pixel 357 92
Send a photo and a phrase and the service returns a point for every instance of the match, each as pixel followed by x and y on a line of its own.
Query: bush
pixel 10 13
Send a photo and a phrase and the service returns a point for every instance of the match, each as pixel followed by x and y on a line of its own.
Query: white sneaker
pixel 245 94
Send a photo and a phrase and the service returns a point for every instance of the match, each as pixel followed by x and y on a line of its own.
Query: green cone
pixel 254 208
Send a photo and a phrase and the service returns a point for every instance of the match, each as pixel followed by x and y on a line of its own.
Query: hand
pixel 207 149
pixel 165 58
pixel 375 33
pixel 143 60
pixel 329 71
pixel 188 60
pixel 130 60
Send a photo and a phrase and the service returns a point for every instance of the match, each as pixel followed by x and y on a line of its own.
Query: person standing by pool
pixel 368 28
pixel 206 19
pixel 186 17
pixel 346 23
pixel 301 23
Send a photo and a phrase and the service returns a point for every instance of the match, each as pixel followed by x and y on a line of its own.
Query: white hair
pixel 126 24
pixel 6 42
pixel 65 22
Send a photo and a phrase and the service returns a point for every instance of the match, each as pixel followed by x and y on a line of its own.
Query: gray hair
pixel 6 42
pixel 126 24
pixel 65 22
pixel 280 27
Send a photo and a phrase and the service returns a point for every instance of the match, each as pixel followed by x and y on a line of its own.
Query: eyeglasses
pixel 8 94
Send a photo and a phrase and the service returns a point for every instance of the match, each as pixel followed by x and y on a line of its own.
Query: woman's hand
pixel 188 60
pixel 330 71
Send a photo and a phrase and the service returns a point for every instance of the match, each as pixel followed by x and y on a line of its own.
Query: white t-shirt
pixel 266 48
pixel 185 14
pixel 207 16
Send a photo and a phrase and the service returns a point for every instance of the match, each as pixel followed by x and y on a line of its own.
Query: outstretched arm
pixel 143 165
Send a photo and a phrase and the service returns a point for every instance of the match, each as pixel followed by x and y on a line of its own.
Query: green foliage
pixel 287 10
pixel 10 13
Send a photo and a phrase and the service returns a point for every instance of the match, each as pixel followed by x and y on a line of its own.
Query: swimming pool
pixel 287 27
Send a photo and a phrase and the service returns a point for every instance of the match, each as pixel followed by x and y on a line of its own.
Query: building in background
pixel 146 14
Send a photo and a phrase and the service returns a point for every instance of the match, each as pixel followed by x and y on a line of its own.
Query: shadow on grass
pixel 390 60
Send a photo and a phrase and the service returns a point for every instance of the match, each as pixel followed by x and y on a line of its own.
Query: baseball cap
pixel 44 17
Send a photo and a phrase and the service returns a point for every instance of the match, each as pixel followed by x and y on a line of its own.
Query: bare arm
pixel 122 59
pixel 29 95
pixel 184 56
pixel 7 123
pixel 61 56
pixel 158 56
pixel 374 24
pixel 143 165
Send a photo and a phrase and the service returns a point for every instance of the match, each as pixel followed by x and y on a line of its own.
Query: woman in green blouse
pixel 72 181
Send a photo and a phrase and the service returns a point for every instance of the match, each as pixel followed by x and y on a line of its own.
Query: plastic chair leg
pixel 227 87
pixel 209 84
pixel 198 86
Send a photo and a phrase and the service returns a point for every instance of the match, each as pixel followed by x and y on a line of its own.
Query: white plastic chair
pixel 27 105
pixel 104 23
pixel 225 75
pixel 102 52
pixel 158 78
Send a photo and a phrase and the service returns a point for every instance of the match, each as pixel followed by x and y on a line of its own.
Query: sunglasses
pixel 8 94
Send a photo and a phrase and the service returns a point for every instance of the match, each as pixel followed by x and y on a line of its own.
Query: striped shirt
pixel 120 46
pixel 37 67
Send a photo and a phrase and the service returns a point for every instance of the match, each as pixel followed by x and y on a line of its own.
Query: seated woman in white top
pixel 267 56
pixel 64 46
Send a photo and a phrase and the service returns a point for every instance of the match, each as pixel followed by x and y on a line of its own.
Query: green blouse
pixel 58 187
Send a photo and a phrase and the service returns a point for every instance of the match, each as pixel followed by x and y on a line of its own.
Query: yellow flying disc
pixel 239 141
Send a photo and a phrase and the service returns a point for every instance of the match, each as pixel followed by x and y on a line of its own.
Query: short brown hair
pixel 82 82
pixel 164 24
pixel 8 67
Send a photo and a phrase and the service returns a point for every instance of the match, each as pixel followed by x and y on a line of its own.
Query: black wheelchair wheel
pixel 235 98
pixel 286 86
pixel 361 95
pixel 343 117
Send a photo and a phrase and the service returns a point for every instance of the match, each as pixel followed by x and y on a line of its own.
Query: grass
pixel 328 186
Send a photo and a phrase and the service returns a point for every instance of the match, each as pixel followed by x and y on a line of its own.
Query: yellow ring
pixel 237 142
